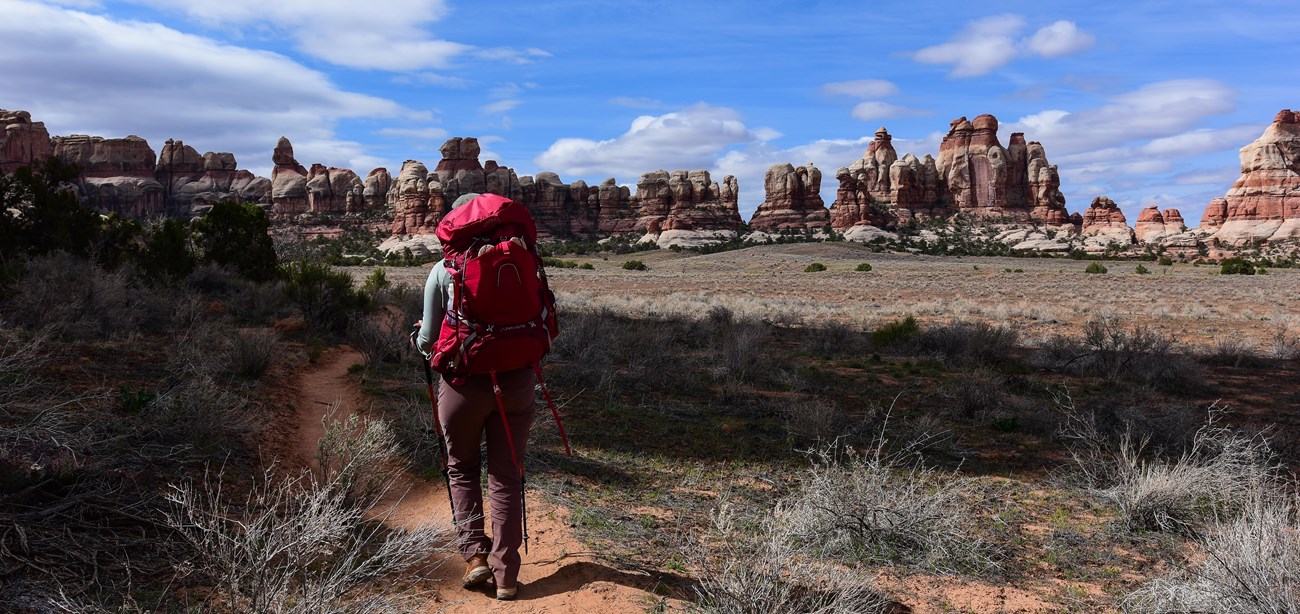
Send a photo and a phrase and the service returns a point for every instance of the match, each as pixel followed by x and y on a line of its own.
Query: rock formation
pixel 417 200
pixel 375 188
pixel 334 190
pixel 117 174
pixel 617 213
pixel 1104 223
pixel 1154 227
pixel 22 141
pixel 288 181
pixel 192 183
pixel 793 200
pixel 973 174
pixel 1263 205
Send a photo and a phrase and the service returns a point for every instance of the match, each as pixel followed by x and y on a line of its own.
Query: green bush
pixel 1236 266
pixel 587 266
pixel 556 263
pixel 323 295
pixel 236 235
pixel 1141 270
pixel 864 267
pixel 48 217
pixel 1165 261
pixel 1096 268
pixel 635 265
pixel 166 255
pixel 895 332
pixel 815 267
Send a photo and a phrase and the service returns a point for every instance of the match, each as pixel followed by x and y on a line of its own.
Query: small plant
pixel 815 267
pixel 863 268
pixel 1165 261
pixel 1237 266
pixel 556 263
pixel 635 265
pixel 587 266
pixel 1096 268
pixel 1141 270
pixel 895 332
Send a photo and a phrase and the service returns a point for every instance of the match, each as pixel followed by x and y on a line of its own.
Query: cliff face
pixel 1263 205
pixel 22 141
pixel 191 183
pixel 974 174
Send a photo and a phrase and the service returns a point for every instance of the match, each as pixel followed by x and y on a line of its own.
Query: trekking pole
pixel 546 392
pixel 510 440
pixel 442 444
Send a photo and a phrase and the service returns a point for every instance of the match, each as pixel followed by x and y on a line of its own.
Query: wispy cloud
pixel 987 44
pixel 636 103
pixel 423 134
pixel 862 88
pixel 500 106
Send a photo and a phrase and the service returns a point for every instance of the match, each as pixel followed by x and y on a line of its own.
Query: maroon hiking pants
pixel 467 412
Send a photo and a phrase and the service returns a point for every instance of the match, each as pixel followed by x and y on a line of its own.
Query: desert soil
pixel 559 574
pixel 1049 295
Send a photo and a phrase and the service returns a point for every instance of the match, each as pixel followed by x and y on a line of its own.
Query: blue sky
pixel 1144 102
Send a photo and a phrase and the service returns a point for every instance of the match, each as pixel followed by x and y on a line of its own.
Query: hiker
pixel 472 404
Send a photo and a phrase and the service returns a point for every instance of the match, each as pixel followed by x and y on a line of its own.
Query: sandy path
pixel 558 573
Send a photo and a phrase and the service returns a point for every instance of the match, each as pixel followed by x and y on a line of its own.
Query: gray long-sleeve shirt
pixel 436 291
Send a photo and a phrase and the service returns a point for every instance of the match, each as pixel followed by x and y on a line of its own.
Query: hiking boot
pixel 476 571
pixel 507 594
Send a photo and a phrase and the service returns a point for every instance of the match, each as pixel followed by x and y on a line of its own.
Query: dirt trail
pixel 558 573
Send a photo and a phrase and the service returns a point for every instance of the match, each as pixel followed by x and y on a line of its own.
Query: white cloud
pixel 1201 141
pixel 872 110
pixel 436 79
pixel 388 35
pixel 1059 39
pixel 691 138
pixel 862 88
pixel 89 74
pixel 500 106
pixel 1155 111
pixel 987 44
pixel 982 46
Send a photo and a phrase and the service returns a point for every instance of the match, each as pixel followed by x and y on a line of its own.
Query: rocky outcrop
pixel 687 201
pixel 561 210
pixel 417 200
pixel 1104 223
pixel 1263 205
pixel 117 174
pixel 192 183
pixel 1154 227
pixel 334 190
pixel 793 200
pixel 973 174
pixel 375 188
pixel 288 181
pixel 617 212
pixel 22 141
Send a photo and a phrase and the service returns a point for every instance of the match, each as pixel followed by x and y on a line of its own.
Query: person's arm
pixel 435 301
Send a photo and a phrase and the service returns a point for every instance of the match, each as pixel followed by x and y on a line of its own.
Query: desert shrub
pixel 976 393
pixel 197 416
pixel 324 296
pixel 1233 352
pixel 815 267
pixel 863 267
pixel 895 332
pixel 635 265
pixel 1248 563
pixel 296 545
pixel 1212 476
pixel 1096 268
pixel 49 217
pixel 1236 266
pixel 814 419
pixel 1165 261
pixel 880 507
pixel 252 352
pixel 763 573
pixel 739 346
pixel 1284 345
pixel 1141 270
pixel 236 235
pixel 831 338
pixel 1113 351
pixel 968 342
pixel 76 298
pixel 586 348
pixel 382 337
pixel 556 263
pixel 587 266
pixel 360 457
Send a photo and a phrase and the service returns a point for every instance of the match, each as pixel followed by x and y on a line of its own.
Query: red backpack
pixel 500 311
